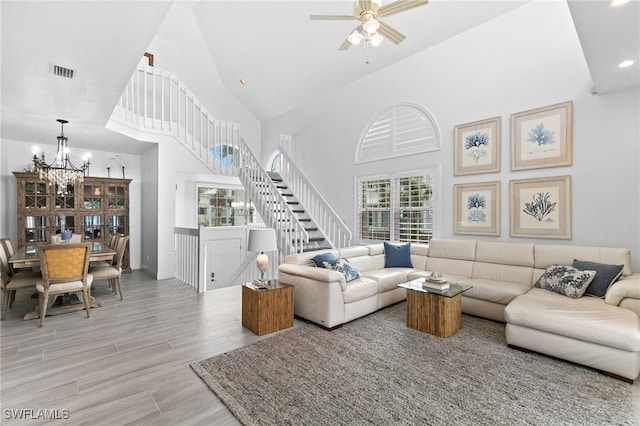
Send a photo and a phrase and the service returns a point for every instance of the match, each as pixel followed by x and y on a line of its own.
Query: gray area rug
pixel 375 370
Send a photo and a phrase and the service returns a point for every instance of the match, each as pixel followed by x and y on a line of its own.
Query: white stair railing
pixel 156 102
pixel 334 230
pixel 271 205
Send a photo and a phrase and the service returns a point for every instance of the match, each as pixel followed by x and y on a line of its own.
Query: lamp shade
pixel 263 239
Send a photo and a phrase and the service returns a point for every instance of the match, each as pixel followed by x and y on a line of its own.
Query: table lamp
pixel 262 240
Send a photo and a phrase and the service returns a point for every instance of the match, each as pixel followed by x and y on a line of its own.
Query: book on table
pixel 436 284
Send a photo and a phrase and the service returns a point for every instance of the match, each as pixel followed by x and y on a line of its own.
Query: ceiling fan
pixel 371 29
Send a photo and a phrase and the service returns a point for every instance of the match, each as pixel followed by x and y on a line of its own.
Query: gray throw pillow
pixel 605 276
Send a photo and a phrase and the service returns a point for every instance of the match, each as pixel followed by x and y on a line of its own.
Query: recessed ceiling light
pixel 625 64
pixel 243 82
pixel 618 3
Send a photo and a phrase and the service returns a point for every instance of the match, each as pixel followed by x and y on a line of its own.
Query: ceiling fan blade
pixel 332 17
pixel 399 6
pixel 391 33
pixel 345 45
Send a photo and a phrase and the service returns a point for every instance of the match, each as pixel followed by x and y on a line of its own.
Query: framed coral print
pixel 541 207
pixel 542 137
pixel 477 208
pixel 477 147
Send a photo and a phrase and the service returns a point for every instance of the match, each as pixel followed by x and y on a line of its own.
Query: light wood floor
pixel 128 363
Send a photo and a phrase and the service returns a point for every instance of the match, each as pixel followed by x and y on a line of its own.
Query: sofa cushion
pixel 588 319
pixel 319 259
pixel 504 253
pixel 462 268
pixel 388 279
pixel 565 280
pixel 503 273
pixel 359 289
pixel 605 276
pixel 343 266
pixel 397 255
pixel 545 255
pixel 452 249
pixel 494 291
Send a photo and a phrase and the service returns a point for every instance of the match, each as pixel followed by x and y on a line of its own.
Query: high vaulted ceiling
pixel 285 58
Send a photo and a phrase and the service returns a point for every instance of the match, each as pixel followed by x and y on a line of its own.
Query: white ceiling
pixel 285 58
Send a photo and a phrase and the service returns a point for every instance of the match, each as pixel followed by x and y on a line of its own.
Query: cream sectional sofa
pixel 600 333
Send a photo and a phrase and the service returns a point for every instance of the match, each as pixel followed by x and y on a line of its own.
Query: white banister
pixel 329 223
pixel 187 255
pixel 157 102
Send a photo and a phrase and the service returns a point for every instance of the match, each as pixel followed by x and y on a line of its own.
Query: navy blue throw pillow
pixel 324 257
pixel 605 276
pixel 397 255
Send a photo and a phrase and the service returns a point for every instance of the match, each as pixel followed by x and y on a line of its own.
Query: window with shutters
pixel 396 208
pixel 403 129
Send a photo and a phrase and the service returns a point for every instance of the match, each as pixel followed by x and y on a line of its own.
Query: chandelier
pixel 61 172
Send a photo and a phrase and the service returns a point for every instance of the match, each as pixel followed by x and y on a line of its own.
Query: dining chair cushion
pixel 19 281
pixel 64 287
pixel 105 272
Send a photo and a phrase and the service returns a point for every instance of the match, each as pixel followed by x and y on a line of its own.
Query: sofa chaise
pixel 602 333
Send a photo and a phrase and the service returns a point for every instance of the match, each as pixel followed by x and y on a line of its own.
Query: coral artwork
pixel 476 144
pixel 541 207
pixel 541 136
pixel 475 205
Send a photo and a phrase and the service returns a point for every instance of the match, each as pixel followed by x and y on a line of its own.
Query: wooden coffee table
pixel 433 311
pixel 269 309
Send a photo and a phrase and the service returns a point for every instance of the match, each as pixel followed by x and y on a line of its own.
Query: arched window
pixel 276 163
pixel 403 129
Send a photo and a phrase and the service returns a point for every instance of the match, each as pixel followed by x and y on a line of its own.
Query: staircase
pixel 316 239
pixel 156 104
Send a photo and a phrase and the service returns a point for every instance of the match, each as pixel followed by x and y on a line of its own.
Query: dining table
pixel 28 257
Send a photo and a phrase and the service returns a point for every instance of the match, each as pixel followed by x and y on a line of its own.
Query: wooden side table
pixel 432 311
pixel 268 310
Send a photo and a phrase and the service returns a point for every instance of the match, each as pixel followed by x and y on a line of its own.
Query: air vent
pixel 62 71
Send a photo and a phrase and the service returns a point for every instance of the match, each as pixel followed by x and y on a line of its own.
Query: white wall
pixel 16 155
pixel 508 65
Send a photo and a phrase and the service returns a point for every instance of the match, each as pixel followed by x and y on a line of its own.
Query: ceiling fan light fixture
pixel 355 37
pixel 376 39
pixel 369 24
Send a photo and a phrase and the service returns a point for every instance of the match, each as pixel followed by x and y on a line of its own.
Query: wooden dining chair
pixel 11 283
pixel 65 269
pixel 113 272
pixel 113 245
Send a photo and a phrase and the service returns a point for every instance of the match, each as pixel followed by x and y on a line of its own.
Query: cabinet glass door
pixel 116 224
pixel 35 229
pixel 116 197
pixel 65 197
pixel 93 227
pixel 67 221
pixel 35 195
pixel 92 197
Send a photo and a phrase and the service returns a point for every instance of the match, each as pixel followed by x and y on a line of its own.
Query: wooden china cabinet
pixel 96 208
